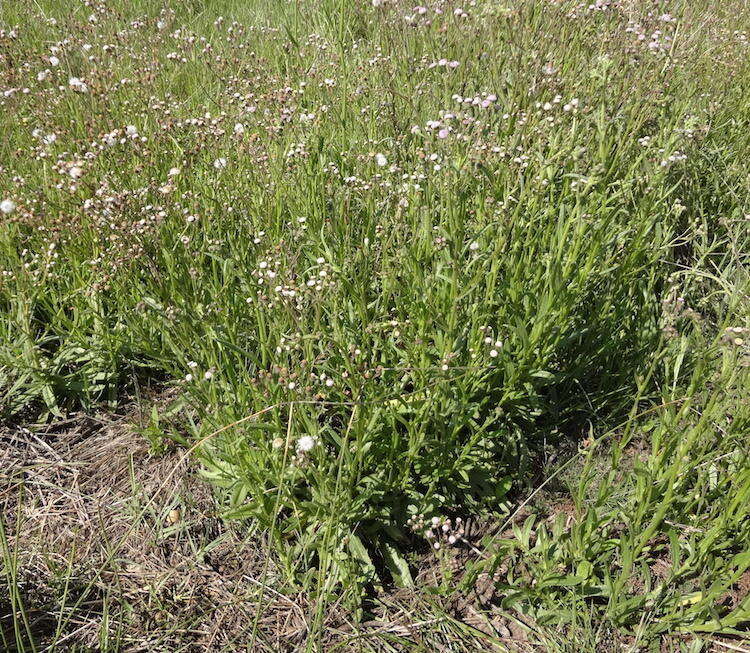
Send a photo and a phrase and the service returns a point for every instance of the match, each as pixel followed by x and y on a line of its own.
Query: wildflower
pixel 54 61
pixel 75 172
pixel 132 131
pixel 7 206
pixel 239 129
pixel 493 353
pixel 277 443
pixel 380 159
pixel 474 246
pixel 173 172
pixel 305 444
pixel 78 85
pixel 220 163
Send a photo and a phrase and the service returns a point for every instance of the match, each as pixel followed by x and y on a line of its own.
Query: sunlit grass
pixel 389 258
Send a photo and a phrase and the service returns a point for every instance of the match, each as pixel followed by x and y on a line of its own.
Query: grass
pixel 449 303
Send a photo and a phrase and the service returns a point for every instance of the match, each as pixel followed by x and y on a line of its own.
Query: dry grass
pixel 86 501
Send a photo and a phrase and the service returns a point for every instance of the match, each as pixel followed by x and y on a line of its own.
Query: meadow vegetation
pixel 459 287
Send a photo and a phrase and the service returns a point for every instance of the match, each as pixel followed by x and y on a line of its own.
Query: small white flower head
pixel 239 129
pixel 173 172
pixel 208 375
pixel 7 206
pixel 306 444
pixel 42 75
pixel 76 172
pixel 474 246
pixel 78 85
pixel 54 61
pixel 220 163
pixel 131 131
pixel 381 160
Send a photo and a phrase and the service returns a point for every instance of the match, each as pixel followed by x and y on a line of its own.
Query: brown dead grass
pixel 137 536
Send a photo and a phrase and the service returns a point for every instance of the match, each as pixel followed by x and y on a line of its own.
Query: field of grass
pixel 444 308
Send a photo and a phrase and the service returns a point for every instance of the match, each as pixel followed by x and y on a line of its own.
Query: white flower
pixel 173 172
pixel 75 172
pixel 132 131
pixel 239 129
pixel 474 246
pixel 7 206
pixel 42 75
pixel 380 159
pixel 220 163
pixel 305 443
pixel 54 61
pixel 78 85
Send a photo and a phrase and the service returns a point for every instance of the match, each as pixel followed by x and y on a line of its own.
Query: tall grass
pixel 398 282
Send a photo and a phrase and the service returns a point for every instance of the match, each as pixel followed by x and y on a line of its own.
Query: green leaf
pixel 397 566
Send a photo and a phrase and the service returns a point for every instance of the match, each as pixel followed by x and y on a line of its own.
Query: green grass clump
pixel 389 258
